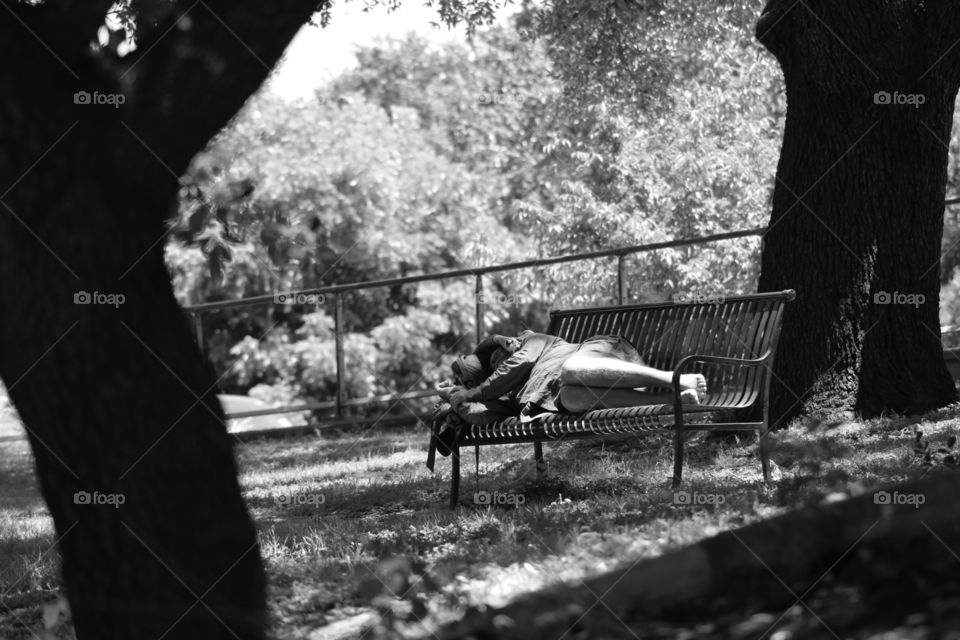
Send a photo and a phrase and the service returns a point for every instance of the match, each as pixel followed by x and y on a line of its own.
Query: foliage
pixel 622 55
pixel 950 245
pixel 945 455
pixel 430 158
pixel 348 188
pixel 698 162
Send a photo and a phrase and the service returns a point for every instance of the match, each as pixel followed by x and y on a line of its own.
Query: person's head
pixel 469 371
pixel 495 349
pixel 472 369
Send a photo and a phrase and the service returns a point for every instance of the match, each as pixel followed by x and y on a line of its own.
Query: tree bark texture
pixel 116 398
pixel 857 216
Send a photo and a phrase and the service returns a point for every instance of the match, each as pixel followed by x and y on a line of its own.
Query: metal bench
pixel 731 341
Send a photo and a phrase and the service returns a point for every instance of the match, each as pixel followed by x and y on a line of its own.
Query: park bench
pixel 731 341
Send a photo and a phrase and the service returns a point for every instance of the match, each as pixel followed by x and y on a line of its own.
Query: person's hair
pixel 469 371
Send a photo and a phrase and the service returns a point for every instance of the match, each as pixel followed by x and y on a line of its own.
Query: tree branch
pixel 198 66
pixel 66 27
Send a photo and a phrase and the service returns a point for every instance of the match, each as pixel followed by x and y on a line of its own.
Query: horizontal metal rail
pixel 306 429
pixel 478 271
pixel 197 310
pixel 332 404
pixel 339 403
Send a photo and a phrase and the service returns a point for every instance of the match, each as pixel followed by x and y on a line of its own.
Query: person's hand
pixel 445 388
pixel 458 397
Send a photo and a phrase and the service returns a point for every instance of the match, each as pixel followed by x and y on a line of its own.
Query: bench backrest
pixel 737 327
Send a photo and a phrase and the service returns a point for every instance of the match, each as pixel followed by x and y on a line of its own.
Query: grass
pixel 356 523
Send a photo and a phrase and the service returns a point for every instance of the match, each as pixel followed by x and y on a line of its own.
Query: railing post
pixel 621 280
pixel 480 307
pixel 198 329
pixel 338 335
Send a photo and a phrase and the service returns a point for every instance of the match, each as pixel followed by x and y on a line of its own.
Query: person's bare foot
pixel 689 396
pixel 694 381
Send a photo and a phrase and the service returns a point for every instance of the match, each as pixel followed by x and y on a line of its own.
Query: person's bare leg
pixel 578 398
pixel 606 373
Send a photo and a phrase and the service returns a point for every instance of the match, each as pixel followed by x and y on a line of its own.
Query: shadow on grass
pixel 376 499
pixel 296 452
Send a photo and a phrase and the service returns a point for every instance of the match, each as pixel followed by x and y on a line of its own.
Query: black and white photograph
pixel 479 320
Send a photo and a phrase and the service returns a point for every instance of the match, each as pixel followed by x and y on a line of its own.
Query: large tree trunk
pixel 858 204
pixel 116 397
pixel 117 400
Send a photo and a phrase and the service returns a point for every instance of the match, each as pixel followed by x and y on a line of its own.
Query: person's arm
pixel 487 346
pixel 510 375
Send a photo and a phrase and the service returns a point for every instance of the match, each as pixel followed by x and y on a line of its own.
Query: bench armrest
pixel 747 362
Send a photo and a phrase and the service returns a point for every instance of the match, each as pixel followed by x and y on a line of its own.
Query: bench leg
pixel 538 456
pixel 764 451
pixel 678 437
pixel 455 478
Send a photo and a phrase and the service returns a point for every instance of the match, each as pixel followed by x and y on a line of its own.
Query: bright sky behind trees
pixel 318 54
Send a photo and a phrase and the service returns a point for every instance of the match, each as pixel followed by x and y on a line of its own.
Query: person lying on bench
pixel 536 373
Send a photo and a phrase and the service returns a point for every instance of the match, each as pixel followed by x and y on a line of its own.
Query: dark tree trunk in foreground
pixel 116 397
pixel 858 204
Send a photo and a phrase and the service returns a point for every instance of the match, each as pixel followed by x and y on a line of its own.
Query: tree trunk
pixel 132 454
pixel 117 400
pixel 857 213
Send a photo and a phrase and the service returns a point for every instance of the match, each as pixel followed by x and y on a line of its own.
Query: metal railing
pixel 340 402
